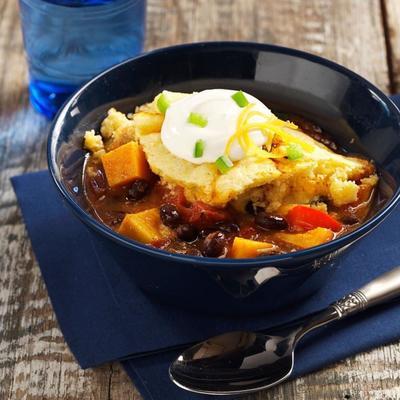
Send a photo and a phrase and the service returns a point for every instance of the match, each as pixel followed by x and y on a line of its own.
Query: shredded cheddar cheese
pixel 269 126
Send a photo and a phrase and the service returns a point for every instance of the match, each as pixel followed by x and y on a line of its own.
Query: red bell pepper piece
pixel 306 218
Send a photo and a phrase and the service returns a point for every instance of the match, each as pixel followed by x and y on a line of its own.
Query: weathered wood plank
pixel 391 10
pixel 34 361
pixel 347 31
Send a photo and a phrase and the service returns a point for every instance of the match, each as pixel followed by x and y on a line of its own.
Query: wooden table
pixel 35 362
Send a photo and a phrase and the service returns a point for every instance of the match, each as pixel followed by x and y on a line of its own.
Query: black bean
pixel 205 232
pixel 169 215
pixel 98 183
pixel 187 232
pixel 138 190
pixel 227 227
pixel 270 222
pixel 252 209
pixel 215 245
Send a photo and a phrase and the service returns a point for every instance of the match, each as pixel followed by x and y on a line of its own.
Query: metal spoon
pixel 244 362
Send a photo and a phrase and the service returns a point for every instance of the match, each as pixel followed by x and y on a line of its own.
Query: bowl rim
pixel 313 252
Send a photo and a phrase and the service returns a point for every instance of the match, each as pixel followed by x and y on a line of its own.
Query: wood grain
pixel 391 10
pixel 34 360
pixel 347 31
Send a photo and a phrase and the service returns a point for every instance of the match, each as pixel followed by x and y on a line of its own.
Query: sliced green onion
pixel 163 103
pixel 294 152
pixel 240 99
pixel 197 119
pixel 224 164
pixel 199 148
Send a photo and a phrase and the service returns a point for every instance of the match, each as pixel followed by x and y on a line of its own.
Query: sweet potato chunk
pixel 246 248
pixel 307 239
pixel 145 226
pixel 125 164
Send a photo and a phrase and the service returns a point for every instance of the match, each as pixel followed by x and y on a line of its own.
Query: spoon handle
pixel 383 288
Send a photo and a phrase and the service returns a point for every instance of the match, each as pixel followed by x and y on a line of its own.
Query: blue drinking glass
pixel 69 41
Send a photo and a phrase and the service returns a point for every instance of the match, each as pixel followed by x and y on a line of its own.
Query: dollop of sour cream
pixel 221 111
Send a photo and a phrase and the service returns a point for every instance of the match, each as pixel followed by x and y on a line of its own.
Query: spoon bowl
pixel 235 362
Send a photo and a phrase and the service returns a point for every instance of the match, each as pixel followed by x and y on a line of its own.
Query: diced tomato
pixel 306 218
pixel 203 215
pixel 177 197
pixel 248 231
pixel 198 213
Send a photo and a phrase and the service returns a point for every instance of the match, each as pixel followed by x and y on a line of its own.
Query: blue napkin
pixel 104 316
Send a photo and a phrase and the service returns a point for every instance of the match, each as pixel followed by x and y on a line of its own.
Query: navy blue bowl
pixel 358 115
